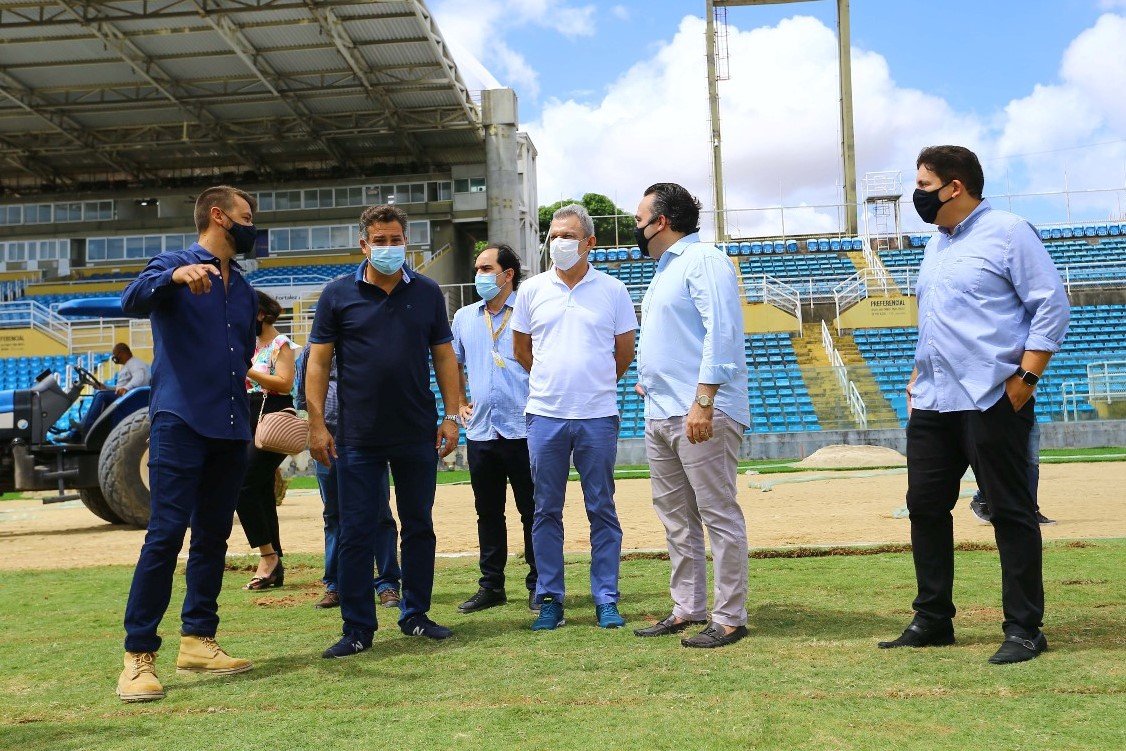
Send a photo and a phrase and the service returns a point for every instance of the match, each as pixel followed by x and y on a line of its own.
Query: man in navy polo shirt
pixel 203 313
pixel 381 324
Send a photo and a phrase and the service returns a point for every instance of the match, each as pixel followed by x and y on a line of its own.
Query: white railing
pixel 140 334
pixel 1078 275
pixel 426 257
pixel 772 291
pixel 852 396
pixel 1106 382
pixel 857 406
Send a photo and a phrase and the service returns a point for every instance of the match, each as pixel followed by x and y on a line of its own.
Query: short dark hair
pixel 676 204
pixel 121 348
pixel 222 196
pixel 270 308
pixel 382 214
pixel 954 163
pixel 507 259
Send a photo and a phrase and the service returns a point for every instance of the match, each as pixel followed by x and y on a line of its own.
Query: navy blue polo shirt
pixel 202 344
pixel 382 344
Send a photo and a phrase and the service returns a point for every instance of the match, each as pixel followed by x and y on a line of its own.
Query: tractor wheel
pixel 123 469
pixel 93 499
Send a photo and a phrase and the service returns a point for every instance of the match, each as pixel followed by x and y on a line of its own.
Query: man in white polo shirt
pixel 573 330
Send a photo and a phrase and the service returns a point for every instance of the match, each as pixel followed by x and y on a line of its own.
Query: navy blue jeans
pixel 362 478
pixel 388 574
pixel 194 482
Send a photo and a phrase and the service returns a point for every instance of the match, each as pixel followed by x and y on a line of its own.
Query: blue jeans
pixel 594 444
pixel 194 482
pixel 362 477
pixel 1033 468
pixel 387 570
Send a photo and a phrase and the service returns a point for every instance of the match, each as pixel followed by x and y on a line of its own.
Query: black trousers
pixel 257 508
pixel 492 466
pixel 940 445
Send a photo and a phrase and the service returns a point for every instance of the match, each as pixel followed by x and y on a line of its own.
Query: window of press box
pixel 418 233
pixel 476 185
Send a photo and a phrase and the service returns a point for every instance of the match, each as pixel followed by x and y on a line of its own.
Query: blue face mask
pixel 486 286
pixel 387 259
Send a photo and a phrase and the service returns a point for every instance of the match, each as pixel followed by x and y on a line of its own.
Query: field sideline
pixel 809 676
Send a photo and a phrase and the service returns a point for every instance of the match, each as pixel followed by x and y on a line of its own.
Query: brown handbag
pixel 281 432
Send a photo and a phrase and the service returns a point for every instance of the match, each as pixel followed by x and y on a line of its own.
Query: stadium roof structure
pixel 152 91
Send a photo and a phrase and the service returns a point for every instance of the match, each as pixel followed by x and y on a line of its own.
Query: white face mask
pixel 564 253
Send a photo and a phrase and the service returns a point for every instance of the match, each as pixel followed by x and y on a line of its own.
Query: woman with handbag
pixel 270 385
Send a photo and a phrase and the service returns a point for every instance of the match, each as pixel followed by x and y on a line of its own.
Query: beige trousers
pixel 694 486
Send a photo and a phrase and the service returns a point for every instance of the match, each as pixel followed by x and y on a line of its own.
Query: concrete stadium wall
pixel 1053 435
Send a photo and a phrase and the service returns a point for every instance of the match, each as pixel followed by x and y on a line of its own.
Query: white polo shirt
pixel 574 376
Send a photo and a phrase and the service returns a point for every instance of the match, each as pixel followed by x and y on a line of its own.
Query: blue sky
pixel 613 94
pixel 934 45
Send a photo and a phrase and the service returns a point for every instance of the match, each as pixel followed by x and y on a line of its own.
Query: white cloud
pixel 1112 4
pixel 479 27
pixel 1076 126
pixel 780 126
pixel 620 12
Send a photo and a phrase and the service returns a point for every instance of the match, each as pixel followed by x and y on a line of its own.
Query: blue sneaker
pixel 551 615
pixel 420 625
pixel 608 615
pixel 346 647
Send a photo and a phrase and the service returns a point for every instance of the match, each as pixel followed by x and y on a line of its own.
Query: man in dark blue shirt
pixel 387 539
pixel 203 313
pixel 382 323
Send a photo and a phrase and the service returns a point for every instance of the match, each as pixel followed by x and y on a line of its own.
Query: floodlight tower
pixel 716 51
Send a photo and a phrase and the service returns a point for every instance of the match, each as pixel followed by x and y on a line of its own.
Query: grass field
pixel 809 676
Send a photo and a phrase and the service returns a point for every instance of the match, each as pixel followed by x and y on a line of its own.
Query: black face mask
pixel 640 238
pixel 928 204
pixel 243 236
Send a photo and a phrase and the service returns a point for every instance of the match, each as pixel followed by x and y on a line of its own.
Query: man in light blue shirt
pixel 992 311
pixel 495 427
pixel 692 369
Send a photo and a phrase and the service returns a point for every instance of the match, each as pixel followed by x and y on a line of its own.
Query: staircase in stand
pixel 880 412
pixel 821 381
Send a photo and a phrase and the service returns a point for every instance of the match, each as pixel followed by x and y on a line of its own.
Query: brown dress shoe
pixel 389 598
pixel 330 600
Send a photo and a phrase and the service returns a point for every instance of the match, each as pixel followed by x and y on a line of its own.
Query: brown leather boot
pixel 138 681
pixel 329 600
pixel 202 654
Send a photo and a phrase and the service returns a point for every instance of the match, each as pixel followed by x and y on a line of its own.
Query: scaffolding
pixel 882 193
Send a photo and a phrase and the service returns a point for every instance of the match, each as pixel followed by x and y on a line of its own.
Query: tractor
pixel 104 463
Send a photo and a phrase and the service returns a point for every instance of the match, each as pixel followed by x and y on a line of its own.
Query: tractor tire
pixel 123 469
pixel 93 499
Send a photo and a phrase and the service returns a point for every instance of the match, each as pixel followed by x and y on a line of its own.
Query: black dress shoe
pixel 532 604
pixel 923 634
pixel 485 598
pixel 666 627
pixel 713 636
pixel 1018 649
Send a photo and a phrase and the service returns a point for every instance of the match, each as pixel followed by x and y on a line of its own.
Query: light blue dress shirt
pixel 692 333
pixel 499 395
pixel 988 291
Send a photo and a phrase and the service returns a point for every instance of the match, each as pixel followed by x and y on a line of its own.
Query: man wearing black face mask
pixel 203 313
pixel 992 311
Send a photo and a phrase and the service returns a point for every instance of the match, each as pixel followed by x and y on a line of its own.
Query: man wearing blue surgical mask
pixel 495 428
pixel 383 323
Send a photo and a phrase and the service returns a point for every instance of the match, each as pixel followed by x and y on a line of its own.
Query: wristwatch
pixel 451 418
pixel 704 400
pixel 1029 378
